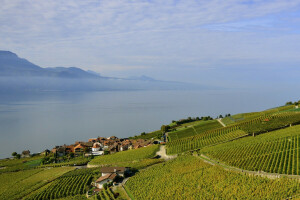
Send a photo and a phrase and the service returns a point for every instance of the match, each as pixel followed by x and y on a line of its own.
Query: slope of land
pixel 275 152
pixel 188 177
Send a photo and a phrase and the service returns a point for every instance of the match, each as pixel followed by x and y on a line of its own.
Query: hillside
pixel 257 152
pixel 275 152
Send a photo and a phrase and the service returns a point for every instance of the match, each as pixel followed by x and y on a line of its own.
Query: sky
pixel 216 42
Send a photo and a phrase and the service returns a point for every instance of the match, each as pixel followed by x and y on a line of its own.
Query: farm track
pixel 220 121
pixel 256 173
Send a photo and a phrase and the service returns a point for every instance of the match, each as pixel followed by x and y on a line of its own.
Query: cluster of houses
pixel 97 146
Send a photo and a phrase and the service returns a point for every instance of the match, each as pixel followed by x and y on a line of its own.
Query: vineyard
pixel 128 156
pixel 105 194
pixel 188 177
pixel 19 184
pixel 197 128
pixel 248 116
pixel 275 152
pixel 254 126
pixel 70 184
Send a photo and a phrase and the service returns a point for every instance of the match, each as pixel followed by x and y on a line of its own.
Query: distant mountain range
pixel 12 65
pixel 20 74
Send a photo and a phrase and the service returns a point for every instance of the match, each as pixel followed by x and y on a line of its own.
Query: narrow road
pixel 163 155
pixel 220 121
pixel 256 173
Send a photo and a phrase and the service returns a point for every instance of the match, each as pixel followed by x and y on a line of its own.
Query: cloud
pixel 168 35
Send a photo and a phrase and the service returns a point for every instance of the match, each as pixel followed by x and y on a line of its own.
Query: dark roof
pixel 112 169
pixel 26 152
pixel 111 176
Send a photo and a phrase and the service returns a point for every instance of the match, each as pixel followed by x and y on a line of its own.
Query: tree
pixel 14 154
pixel 86 150
pixel 71 155
pixel 105 186
pixel 18 156
pixel 165 128
pixel 220 116
pixel 143 133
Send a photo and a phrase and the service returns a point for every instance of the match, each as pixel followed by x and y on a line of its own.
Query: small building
pixel 79 148
pixel 96 147
pixel 93 140
pixel 112 138
pixel 25 153
pixel 110 177
pixel 120 171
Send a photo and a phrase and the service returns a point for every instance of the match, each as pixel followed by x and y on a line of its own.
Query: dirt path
pixel 220 121
pixel 256 173
pixel 163 155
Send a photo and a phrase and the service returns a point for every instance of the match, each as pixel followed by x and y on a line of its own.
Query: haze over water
pixel 37 121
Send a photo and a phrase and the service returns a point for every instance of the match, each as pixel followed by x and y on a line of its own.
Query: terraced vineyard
pixel 106 194
pixel 275 152
pixel 250 127
pixel 199 141
pixel 196 129
pixel 64 186
pixel 16 185
pixel 248 116
pixel 188 177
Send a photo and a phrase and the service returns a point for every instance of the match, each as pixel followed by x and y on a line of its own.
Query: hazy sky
pixel 208 41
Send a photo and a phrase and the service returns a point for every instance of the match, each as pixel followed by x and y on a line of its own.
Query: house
pixel 59 150
pixel 96 146
pixel 96 149
pixel 93 140
pixel 110 177
pixel 124 147
pixel 120 171
pixel 79 148
pixel 137 146
pixel 25 153
pixel 114 148
pixel 70 149
pixel 112 138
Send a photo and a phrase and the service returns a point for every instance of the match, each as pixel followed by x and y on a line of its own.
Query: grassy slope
pixel 126 156
pixel 277 151
pixel 189 177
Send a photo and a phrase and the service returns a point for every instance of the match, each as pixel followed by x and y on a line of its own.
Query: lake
pixel 41 120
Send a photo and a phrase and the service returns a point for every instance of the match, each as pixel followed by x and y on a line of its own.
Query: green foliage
pixel 63 187
pixel 136 165
pixel 126 156
pixel 189 177
pixel 75 161
pixel 105 194
pixel 165 128
pixel 148 136
pixel 13 165
pixel 19 184
pixel 195 129
pixel 249 127
pixel 276 152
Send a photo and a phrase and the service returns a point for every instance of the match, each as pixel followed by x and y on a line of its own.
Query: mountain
pixel 12 65
pixel 141 78
pixel 18 74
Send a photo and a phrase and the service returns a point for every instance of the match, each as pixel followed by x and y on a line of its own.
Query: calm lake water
pixel 42 120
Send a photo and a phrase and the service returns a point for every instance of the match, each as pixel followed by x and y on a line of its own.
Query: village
pixel 100 146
